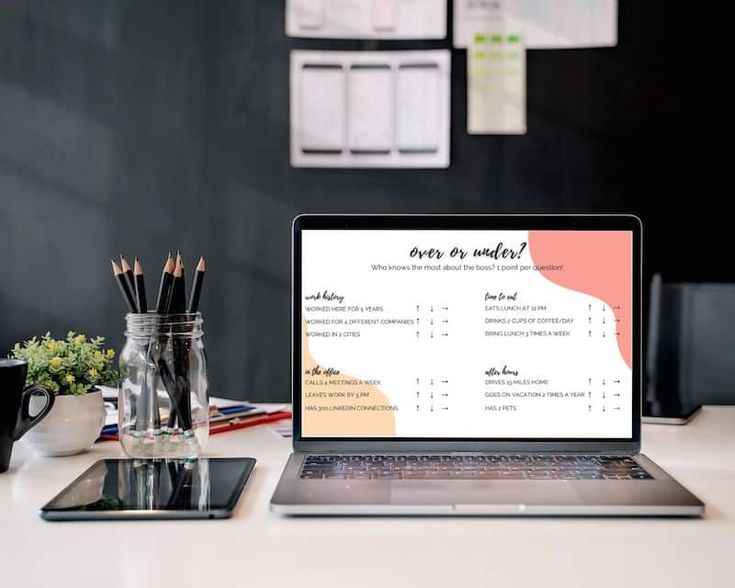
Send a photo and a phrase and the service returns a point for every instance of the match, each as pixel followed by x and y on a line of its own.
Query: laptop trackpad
pixel 461 492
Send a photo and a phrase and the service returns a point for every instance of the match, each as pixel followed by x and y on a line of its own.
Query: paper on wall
pixel 370 108
pixel 543 24
pixel 496 85
pixel 367 19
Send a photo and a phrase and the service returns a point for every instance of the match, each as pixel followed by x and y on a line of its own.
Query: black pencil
pixel 196 287
pixel 177 298
pixel 182 294
pixel 140 296
pixel 164 289
pixel 128 271
pixel 123 284
pixel 176 305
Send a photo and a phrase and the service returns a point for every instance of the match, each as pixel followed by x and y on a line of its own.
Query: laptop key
pixel 477 467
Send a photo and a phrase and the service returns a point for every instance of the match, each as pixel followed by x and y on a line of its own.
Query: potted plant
pixel 72 369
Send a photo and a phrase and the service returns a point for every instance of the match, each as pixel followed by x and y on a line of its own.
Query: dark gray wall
pixel 144 126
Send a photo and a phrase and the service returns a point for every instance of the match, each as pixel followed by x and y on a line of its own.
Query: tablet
pixel 206 488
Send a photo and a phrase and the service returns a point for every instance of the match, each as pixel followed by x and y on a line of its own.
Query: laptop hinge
pixel 322 451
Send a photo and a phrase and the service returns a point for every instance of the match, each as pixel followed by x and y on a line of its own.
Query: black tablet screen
pixel 111 485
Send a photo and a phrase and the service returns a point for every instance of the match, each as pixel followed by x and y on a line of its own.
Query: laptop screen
pixel 466 334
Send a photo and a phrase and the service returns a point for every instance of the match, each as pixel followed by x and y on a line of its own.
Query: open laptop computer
pixel 465 365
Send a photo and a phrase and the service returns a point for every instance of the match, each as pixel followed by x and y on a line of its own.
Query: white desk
pixel 258 548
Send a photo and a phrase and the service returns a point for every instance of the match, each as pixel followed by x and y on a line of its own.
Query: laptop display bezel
pixel 589 222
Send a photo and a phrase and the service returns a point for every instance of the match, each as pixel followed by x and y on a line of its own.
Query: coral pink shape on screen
pixel 598 263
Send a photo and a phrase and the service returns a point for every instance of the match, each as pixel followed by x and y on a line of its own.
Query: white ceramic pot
pixel 72 426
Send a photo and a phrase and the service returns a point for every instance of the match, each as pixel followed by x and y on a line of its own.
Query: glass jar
pixel 162 405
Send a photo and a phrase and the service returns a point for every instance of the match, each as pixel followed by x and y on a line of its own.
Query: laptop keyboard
pixel 471 467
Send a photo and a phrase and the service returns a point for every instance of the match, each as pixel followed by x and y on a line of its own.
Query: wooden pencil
pixel 177 297
pixel 140 295
pixel 182 294
pixel 173 307
pixel 123 285
pixel 196 287
pixel 164 288
pixel 128 271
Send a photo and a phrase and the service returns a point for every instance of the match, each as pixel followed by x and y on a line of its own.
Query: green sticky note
pixel 496 38
pixel 513 39
pixel 479 38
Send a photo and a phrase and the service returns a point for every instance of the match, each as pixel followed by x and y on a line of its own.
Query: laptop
pixel 469 365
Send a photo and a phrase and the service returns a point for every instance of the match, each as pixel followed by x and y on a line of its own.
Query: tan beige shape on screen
pixel 327 423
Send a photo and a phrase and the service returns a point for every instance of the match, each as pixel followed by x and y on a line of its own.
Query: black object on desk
pixel 206 488
pixel 690 345
pixel 15 400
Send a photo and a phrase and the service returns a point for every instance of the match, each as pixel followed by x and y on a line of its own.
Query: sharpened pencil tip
pixel 115 267
pixel 169 267
pixel 124 263
pixel 138 268
pixel 201 266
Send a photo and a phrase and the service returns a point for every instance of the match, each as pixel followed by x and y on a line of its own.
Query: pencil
pixel 177 298
pixel 128 271
pixel 175 306
pixel 140 296
pixel 196 287
pixel 164 289
pixel 183 281
pixel 123 285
